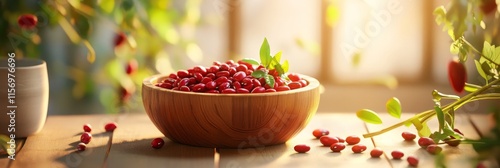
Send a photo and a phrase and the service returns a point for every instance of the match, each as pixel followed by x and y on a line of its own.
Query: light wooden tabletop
pixel 129 146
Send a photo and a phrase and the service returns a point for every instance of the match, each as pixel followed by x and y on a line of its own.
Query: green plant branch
pixel 426 115
pixel 477 51
pixel 487 96
pixel 465 99
pixel 469 96
pixel 417 116
pixel 472 85
pixel 478 87
pixel 429 116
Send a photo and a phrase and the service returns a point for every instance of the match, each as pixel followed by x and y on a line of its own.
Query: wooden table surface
pixel 129 146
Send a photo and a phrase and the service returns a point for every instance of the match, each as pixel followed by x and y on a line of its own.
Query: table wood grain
pixel 129 145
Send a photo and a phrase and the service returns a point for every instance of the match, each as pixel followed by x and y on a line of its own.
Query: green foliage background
pixel 86 71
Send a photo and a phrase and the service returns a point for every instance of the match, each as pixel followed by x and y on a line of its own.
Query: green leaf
pixel 422 128
pixel 369 116
pixel 448 131
pixel 440 116
pixel 425 131
pixel 265 53
pixel 277 57
pixel 269 80
pixel 251 61
pixel 471 88
pixel 451 33
pixel 440 13
pixel 279 69
pixel 418 125
pixel 454 47
pixel 285 66
pixel 275 61
pixel 259 74
pixel 487 49
pixel 497 55
pixel 394 107
pixel 462 54
pixel 458 48
pixel 491 52
pixel 437 136
pixel 4 145
pixel 480 70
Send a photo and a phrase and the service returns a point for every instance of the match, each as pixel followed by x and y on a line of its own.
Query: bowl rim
pixel 150 83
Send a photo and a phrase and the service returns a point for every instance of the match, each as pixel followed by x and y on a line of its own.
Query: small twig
pixel 477 51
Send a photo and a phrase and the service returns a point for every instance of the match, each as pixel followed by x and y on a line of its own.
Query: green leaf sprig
pixel 270 63
pixel 445 114
pixel 393 107
pixel 456 19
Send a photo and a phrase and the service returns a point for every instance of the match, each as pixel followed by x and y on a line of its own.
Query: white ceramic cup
pixel 30 96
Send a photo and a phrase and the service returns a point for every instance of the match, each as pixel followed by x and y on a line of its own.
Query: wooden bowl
pixel 229 120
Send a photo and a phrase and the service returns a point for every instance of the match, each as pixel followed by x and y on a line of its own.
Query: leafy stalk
pixel 269 62
pixel 477 51
pixel 426 115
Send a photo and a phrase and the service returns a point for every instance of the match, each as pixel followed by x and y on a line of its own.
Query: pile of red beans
pixel 230 77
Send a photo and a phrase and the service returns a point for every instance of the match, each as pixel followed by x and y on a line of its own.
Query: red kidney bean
pixel 86 137
pixel 412 161
pixel 375 153
pixel 352 140
pixel 408 136
pixel 157 143
pixel 328 140
pixel 337 147
pixel 358 148
pixel 87 128
pixel 318 133
pixel 397 154
pixel 302 148
pixel 110 127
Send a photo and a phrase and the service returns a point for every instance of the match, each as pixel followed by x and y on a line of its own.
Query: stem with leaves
pixel 426 115
pixel 477 51
pixel 269 63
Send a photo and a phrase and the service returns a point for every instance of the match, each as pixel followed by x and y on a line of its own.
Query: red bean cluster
pixel 337 145
pixel 86 137
pixel 229 77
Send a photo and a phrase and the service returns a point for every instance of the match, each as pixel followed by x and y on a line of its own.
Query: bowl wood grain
pixel 229 120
